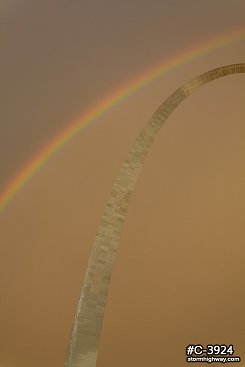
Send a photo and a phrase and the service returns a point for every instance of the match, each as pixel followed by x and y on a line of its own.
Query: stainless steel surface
pixel 85 336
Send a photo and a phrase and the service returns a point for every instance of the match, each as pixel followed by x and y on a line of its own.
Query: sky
pixel 178 276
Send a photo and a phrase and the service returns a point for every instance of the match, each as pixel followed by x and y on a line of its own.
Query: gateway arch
pixel 85 336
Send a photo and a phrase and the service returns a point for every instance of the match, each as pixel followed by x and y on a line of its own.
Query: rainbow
pixel 75 127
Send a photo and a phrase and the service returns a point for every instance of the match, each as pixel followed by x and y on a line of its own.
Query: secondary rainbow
pixel 75 127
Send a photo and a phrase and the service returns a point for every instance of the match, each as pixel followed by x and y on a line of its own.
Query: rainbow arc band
pixel 85 336
pixel 75 127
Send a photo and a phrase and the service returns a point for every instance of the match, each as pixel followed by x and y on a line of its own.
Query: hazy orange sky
pixel 179 273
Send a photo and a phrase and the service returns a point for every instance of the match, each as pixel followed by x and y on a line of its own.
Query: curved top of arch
pixel 84 340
